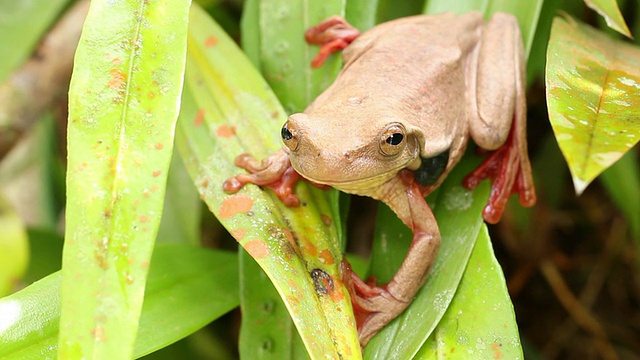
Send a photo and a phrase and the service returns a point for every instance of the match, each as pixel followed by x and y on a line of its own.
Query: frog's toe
pixel 373 306
pixel 510 173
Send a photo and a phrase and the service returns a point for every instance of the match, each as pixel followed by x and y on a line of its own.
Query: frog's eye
pixel 392 140
pixel 288 137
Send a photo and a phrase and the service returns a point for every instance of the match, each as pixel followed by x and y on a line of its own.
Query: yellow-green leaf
pixel 609 10
pixel 14 248
pixel 228 109
pixel 123 106
pixel 593 95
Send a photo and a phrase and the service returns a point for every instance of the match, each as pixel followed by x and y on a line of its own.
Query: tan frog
pixel 395 122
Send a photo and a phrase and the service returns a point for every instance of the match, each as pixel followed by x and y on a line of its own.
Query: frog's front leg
pixel 274 172
pixel 333 35
pixel 375 306
pixel 498 116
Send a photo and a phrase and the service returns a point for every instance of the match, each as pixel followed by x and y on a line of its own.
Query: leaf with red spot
pixel 593 95
pixel 224 91
pixel 123 106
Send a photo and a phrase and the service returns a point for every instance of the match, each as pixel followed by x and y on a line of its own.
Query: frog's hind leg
pixel 375 306
pixel 499 122
pixel 332 34
pixel 510 174
pixel 274 172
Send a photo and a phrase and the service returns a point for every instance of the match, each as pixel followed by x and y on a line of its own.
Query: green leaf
pixel 182 207
pixel 267 331
pixel 14 247
pixel 228 109
pixel 362 13
pixel 480 322
pixel 459 215
pixel 622 181
pixel 593 96
pixel 285 57
pixel 527 12
pixel 22 24
pixel 180 277
pixel 123 104
pixel 609 10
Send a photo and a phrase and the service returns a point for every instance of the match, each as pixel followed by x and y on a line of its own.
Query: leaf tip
pixel 580 185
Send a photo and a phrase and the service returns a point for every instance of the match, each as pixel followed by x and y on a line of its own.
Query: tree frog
pixel 394 123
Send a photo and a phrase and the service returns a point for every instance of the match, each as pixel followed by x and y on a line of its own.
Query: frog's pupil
pixel 395 139
pixel 286 134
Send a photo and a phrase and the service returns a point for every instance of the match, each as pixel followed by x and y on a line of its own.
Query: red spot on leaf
pixel 156 173
pixel 234 205
pixel 497 353
pixel 211 41
pixel 199 118
pixel 326 257
pixel 225 131
pixel 144 219
pixel 239 233
pixel 307 246
pixel 98 333
pixel 326 219
pixel 159 146
pixel 336 293
pixel 118 79
pixel 257 249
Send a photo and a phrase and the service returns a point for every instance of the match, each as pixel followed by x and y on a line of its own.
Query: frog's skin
pixel 396 121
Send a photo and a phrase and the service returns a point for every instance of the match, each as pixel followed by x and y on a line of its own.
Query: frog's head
pixel 350 156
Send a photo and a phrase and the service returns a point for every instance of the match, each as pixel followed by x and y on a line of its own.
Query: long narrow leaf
pixel 284 54
pixel 30 317
pixel 123 104
pixel 228 109
pixel 262 312
pixel 527 12
pixel 480 322
pixel 22 24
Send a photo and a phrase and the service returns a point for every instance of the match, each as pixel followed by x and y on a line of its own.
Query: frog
pixel 395 121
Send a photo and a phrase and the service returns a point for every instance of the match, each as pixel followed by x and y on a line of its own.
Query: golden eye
pixel 392 140
pixel 289 138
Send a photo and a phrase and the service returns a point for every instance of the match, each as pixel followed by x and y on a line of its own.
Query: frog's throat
pixel 365 186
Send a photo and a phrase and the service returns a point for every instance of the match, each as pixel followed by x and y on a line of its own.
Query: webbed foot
pixel 333 35
pixel 510 172
pixel 274 172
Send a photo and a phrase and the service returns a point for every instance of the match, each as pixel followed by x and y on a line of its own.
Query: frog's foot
pixel 373 306
pixel 333 34
pixel 510 172
pixel 274 172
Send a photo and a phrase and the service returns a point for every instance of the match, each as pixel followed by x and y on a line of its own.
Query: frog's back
pixel 405 70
